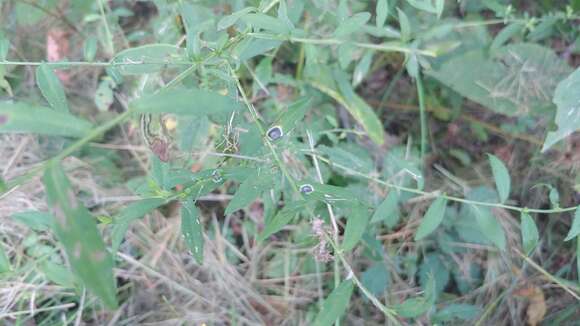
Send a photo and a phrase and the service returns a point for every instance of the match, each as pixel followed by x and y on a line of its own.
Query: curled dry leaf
pixel 537 307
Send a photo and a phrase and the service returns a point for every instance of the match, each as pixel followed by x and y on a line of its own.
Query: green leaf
pixel 192 229
pixel 249 190
pixel 566 98
pixel 575 229
pixel 405 26
pixel 130 213
pixel 25 118
pixel 376 278
pixel 439 7
pixel 489 226
pixel 505 34
pixel 185 101
pixel 501 177
pixel 4 46
pixel 530 234
pixel 355 227
pixel 425 5
pixel 388 210
pixel 578 257
pixel 415 307
pixel 283 15
pixel 267 23
pixel 77 231
pixel 57 273
pixel 37 221
pixel 148 58
pixel 433 217
pixel 335 304
pixel 362 68
pixel 498 80
pixel 359 109
pixel 90 48
pixel 51 88
pixel 281 219
pixel 460 311
pixel 382 10
pixel 292 116
pixel 352 24
pixel 4 261
pixel 251 47
pixel 231 19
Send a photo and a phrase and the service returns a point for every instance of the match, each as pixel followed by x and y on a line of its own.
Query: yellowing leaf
pixel 77 231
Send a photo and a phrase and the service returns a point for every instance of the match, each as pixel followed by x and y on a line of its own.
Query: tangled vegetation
pixel 291 162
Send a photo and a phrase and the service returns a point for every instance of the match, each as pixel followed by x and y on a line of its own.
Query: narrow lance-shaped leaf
pixel 362 68
pixel 388 210
pixel 249 190
pixel 530 235
pixel 51 88
pixel 405 25
pixel 501 177
pixel 575 229
pixel 25 118
pixel 335 304
pixel 267 23
pixel 231 19
pixel 578 257
pixel 76 229
pixel 433 217
pixel 489 226
pixel 382 11
pixel 566 98
pixel 292 116
pixel 129 214
pixel 192 229
pixel 355 227
pixel 37 221
pixel 4 261
pixel 186 102
pixel 352 24
pixel 358 108
pixel 281 219
pixel 425 5
pixel 439 6
pixel 415 307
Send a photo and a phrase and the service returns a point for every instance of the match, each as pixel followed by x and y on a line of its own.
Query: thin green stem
pixel 387 47
pixel 436 194
pixel 422 115
pixel 66 64
pixel 389 313
pixel 548 275
pixel 389 90
pixel 109 36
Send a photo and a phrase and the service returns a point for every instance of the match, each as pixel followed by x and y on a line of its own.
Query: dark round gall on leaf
pixel 275 133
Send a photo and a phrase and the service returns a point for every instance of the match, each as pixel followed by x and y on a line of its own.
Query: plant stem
pixel 67 64
pixel 389 313
pixel 422 115
pixel 110 47
pixel 333 41
pixel 436 194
